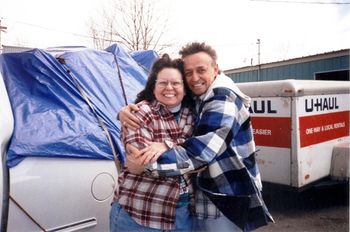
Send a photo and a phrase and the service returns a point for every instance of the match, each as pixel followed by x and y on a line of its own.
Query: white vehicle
pixel 59 137
pixel 301 129
pixel 52 194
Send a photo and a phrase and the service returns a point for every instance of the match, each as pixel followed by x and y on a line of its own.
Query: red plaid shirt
pixel 152 201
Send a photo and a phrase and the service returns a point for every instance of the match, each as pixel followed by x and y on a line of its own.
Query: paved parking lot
pixel 321 210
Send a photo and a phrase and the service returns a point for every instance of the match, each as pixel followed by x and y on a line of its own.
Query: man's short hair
pixel 195 47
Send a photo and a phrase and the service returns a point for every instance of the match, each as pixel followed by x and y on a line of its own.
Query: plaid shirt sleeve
pixel 221 117
pixel 139 137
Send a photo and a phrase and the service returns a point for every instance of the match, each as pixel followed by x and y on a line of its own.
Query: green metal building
pixel 327 66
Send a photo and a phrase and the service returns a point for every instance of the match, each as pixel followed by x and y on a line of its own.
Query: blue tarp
pixel 66 106
pixel 144 58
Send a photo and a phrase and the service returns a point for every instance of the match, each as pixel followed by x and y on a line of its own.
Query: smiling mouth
pixel 198 85
pixel 169 95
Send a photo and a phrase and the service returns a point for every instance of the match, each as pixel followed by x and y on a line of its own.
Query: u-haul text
pixel 321 104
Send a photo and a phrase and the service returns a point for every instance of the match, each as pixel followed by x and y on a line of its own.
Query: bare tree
pixel 134 23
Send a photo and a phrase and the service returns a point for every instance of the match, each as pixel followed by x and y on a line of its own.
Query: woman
pixel 143 202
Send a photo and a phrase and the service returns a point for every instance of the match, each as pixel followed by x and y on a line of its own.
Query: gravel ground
pixel 313 210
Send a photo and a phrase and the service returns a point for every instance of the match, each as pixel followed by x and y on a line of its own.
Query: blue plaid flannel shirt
pixel 222 141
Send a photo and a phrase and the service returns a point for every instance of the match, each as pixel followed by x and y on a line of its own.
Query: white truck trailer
pixel 301 129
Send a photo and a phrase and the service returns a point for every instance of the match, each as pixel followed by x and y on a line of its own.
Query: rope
pixel 99 119
pixel 26 213
pixel 120 79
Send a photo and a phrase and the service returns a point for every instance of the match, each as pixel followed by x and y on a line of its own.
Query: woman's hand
pixel 151 153
pixel 127 117
pixel 147 155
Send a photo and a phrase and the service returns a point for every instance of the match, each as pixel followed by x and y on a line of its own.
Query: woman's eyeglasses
pixel 164 84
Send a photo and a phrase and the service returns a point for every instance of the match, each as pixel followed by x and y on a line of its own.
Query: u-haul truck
pixel 301 129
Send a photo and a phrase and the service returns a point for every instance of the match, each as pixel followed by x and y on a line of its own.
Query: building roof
pixel 320 56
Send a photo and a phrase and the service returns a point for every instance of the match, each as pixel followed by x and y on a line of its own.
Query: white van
pixel 52 194
pixel 59 137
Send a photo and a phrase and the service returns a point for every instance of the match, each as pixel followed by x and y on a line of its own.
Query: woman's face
pixel 169 88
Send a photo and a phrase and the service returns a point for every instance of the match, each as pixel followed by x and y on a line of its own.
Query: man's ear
pixel 216 69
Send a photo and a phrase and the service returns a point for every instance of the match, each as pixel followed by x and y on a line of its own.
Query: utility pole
pixel 2 29
pixel 258 43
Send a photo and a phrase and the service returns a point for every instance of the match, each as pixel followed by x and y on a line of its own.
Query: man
pixel 229 189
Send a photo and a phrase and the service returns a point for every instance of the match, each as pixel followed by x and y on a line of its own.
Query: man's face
pixel 200 72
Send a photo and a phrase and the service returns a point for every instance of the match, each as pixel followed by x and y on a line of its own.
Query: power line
pixel 52 29
pixel 62 31
pixel 303 2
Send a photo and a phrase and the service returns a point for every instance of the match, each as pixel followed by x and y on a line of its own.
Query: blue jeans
pixel 120 221
pixel 221 224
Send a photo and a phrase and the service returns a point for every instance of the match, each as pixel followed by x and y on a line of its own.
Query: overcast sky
pixel 286 29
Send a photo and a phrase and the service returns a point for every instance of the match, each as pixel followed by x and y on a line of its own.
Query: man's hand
pixel 133 162
pixel 133 165
pixel 127 118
